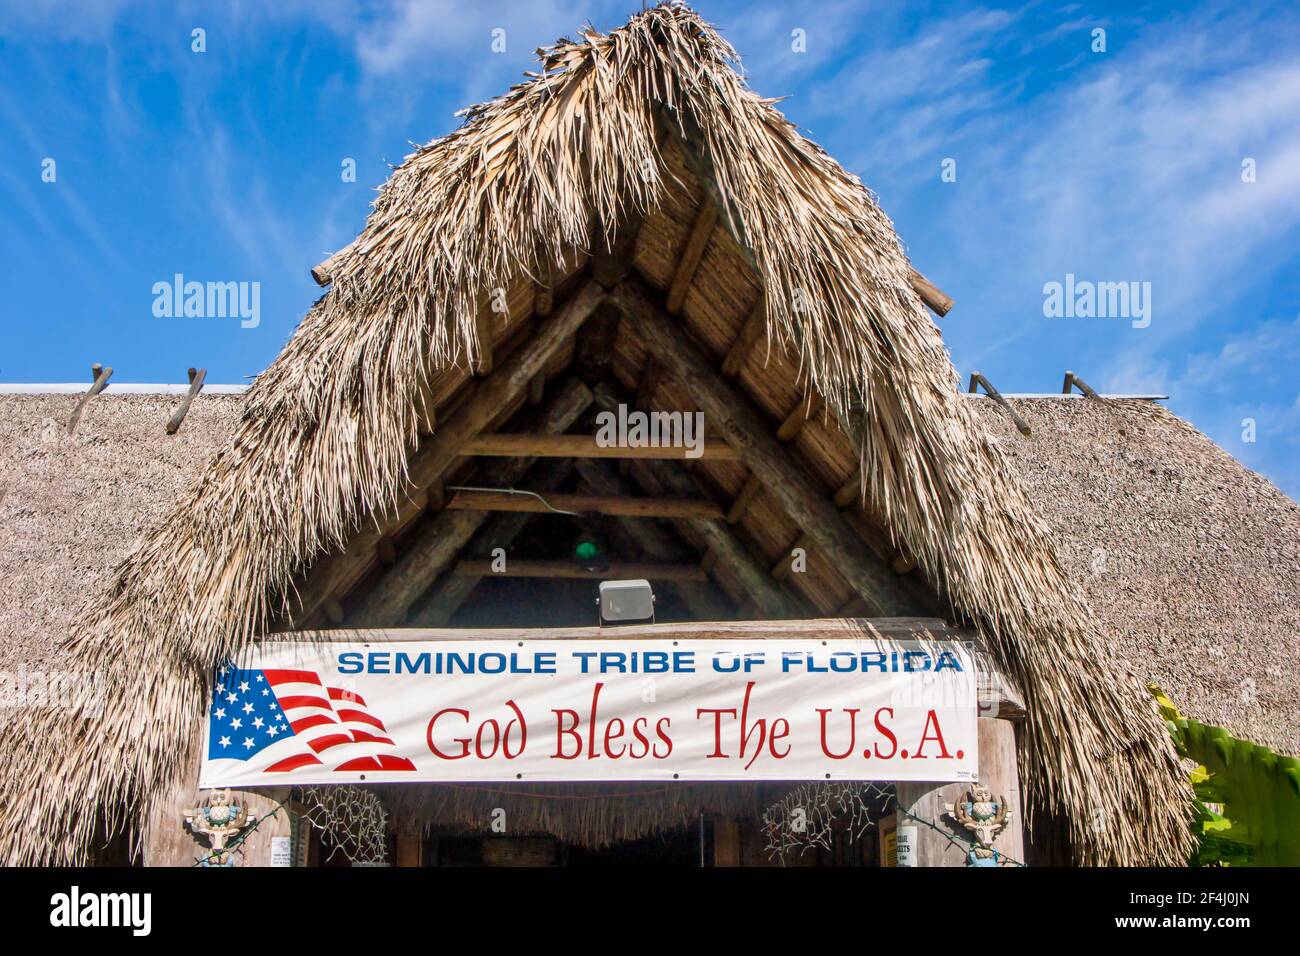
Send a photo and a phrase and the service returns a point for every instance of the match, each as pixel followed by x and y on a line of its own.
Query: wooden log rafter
pixel 473 499
pixel 196 377
pixel 99 376
pixel 438 545
pixel 750 334
pixel 442 449
pixel 721 544
pixel 658 543
pixel 732 414
pixel 692 253
pixel 652 571
pixel 528 445
pixel 437 606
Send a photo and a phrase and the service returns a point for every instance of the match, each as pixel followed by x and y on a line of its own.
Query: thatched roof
pixel 1189 561
pixel 526 189
pixel 73 505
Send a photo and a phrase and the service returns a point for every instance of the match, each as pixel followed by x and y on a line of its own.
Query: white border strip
pixel 1145 398
pixel 116 388
pixel 128 388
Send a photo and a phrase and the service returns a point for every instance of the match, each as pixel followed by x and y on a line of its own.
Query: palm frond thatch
pixel 327 430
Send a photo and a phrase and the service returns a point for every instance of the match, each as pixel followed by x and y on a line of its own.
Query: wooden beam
pixel 484 329
pixel 595 347
pixel 520 445
pixel 494 392
pixel 692 253
pixel 732 414
pixel 612 262
pixel 658 543
pixel 197 377
pixel 99 375
pixel 689 136
pixel 323 272
pixel 439 544
pixel 720 541
pixel 808 406
pixel 543 297
pixel 473 500
pixel 571 570
pixel 745 499
pixel 537 388
pixel 450 591
pixel 750 333
pixel 835 628
pixel 850 491
pixel 940 303
pixel 785 566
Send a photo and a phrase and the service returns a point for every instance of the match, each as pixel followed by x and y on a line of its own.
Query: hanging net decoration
pixel 810 816
pixel 352 821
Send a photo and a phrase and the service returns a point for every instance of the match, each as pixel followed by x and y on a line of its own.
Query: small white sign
pixel 280 851
pixel 905 846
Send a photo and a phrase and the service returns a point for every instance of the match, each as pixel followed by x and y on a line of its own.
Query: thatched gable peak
pixel 539 184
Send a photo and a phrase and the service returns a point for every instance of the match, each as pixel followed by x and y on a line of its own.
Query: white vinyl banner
pixel 605 709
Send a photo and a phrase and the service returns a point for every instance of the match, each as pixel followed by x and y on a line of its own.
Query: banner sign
pixel 604 709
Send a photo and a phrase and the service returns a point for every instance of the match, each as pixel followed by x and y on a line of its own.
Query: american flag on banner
pixel 304 723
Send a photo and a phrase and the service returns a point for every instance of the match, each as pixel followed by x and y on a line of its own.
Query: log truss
pixel 766 522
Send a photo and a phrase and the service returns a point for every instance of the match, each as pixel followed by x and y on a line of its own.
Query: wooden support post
pixel 410 848
pixel 1071 380
pixel 178 416
pixel 438 545
pixel 998 771
pixel 731 413
pixel 726 843
pixel 692 253
pixel 495 392
pixel 166 840
pixel 977 379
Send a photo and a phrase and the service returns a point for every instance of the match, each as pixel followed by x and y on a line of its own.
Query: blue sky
pixel 1122 165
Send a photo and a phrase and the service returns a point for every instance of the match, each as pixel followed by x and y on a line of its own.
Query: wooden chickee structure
pixel 631 226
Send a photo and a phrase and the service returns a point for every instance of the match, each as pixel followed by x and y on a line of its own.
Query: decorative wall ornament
pixel 984 816
pixel 353 820
pixel 217 820
pixel 809 816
